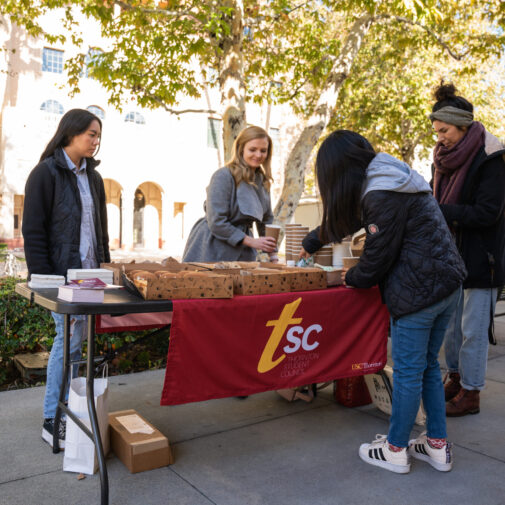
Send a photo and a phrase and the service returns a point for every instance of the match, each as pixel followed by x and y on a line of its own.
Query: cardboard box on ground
pixel 137 443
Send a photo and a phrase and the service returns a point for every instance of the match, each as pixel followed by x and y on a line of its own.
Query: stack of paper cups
pixel 324 256
pixel 295 233
pixel 341 250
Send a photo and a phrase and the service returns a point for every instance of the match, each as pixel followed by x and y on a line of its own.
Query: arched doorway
pixel 147 211
pixel 113 191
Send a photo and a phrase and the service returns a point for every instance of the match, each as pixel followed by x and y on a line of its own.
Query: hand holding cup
pixel 266 244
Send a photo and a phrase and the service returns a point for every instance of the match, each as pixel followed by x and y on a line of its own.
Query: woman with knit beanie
pixel 469 184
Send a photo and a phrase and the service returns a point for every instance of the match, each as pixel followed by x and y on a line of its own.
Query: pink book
pixel 83 290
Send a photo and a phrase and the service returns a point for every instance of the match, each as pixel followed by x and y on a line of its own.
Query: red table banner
pixel 132 322
pixel 249 344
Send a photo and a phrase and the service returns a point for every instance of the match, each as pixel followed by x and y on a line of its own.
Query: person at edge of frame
pixel 469 184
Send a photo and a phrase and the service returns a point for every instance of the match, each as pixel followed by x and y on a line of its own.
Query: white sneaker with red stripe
pixel 378 454
pixel 441 459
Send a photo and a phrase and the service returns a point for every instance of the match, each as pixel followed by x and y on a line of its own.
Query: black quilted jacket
pixel 52 216
pixel 409 252
pixel 478 221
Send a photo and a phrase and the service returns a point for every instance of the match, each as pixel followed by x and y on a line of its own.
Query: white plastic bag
pixel 80 454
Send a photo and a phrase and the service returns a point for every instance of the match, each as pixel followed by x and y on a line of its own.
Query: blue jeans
pixel 466 339
pixel 55 364
pixel 416 341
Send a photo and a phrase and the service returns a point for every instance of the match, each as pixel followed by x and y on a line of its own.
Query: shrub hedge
pixel 30 328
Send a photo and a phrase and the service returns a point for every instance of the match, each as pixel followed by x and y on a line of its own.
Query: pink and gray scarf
pixel 452 165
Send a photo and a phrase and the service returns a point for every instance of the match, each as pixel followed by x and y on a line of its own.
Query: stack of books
pixel 90 273
pixel 83 290
pixel 40 281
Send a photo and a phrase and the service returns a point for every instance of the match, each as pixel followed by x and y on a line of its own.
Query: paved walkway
pixel 258 451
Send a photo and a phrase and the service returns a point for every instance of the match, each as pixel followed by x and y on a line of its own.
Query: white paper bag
pixel 80 454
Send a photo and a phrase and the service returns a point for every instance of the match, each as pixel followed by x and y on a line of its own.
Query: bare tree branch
pixel 176 112
pixel 186 111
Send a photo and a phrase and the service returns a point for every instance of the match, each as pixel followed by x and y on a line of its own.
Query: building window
pixel 275 135
pixel 52 60
pixel 52 107
pixel 97 111
pixel 134 117
pixel 91 56
pixel 214 132
pixel 212 76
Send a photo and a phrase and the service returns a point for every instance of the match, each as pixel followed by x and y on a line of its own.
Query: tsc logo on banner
pixel 297 336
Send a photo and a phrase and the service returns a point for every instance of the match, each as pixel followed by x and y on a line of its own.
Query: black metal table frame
pixel 117 302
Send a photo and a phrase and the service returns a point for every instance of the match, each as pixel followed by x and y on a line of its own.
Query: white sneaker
pixel 441 459
pixel 378 454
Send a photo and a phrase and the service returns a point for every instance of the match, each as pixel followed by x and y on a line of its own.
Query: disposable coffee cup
pixel 340 251
pixel 349 262
pixel 272 230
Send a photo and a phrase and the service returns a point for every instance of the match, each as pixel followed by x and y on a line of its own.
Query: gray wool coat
pixel 230 212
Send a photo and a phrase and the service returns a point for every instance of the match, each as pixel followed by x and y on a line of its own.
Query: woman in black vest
pixel 65 226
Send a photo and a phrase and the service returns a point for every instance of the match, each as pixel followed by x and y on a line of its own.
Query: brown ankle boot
pixel 465 402
pixel 452 385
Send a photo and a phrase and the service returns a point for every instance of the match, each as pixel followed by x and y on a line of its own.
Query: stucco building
pixel 155 165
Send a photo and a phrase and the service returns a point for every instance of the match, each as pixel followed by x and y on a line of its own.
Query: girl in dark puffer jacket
pixel 410 253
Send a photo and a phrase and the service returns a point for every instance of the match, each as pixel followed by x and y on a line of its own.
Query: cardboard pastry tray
pixel 269 280
pixel 209 286
pixel 278 279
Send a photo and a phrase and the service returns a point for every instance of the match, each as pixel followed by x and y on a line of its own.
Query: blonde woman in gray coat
pixel 237 196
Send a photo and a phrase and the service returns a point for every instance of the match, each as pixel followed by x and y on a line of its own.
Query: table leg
pixel 64 382
pixel 104 480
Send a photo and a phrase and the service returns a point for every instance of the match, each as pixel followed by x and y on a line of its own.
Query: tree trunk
pixel 294 170
pixel 408 147
pixel 231 80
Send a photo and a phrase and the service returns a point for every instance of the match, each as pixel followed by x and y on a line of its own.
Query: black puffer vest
pixel 52 216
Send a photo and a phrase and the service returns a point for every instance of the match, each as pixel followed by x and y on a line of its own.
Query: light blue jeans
pixel 466 340
pixel 416 342
pixel 55 364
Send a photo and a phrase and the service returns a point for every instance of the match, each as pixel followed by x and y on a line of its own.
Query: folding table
pixel 355 343
pixel 117 301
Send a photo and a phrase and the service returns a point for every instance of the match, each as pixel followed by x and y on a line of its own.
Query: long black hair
pixel 74 122
pixel 341 165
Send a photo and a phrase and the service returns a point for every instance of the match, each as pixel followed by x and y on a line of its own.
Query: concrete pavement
pixel 258 451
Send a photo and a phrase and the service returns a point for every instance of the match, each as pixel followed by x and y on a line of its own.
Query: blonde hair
pixel 239 168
